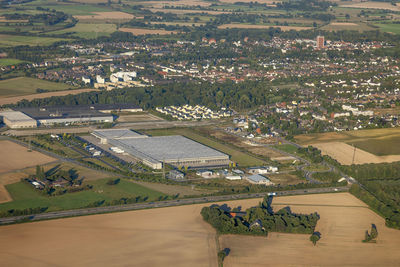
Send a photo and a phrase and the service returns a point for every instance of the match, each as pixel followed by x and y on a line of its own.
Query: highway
pixel 162 204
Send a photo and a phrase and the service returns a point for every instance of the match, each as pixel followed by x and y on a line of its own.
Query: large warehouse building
pixel 154 151
pixel 66 115
pixel 17 120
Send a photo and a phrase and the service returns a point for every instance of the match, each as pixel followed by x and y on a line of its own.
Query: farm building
pixel 259 179
pixel 154 151
pixel 17 119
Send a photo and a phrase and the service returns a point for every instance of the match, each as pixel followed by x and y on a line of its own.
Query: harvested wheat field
pixel 251 26
pixel 178 236
pixel 343 24
pixel 139 31
pixel 374 5
pixel 15 157
pixel 157 237
pixel 161 4
pixel 343 222
pixel 106 15
pixel 15 99
pixel 343 153
pixel 188 11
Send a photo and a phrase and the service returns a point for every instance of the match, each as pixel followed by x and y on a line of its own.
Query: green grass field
pixel 9 61
pixel 287 148
pixel 25 86
pixel 390 27
pixel 15 40
pixel 89 30
pixel 24 196
pixel 237 156
pixel 78 9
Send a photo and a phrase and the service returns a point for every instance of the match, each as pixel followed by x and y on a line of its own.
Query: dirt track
pixel 343 153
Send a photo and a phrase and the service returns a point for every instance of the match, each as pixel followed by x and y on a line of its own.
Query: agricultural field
pixel 338 26
pixel 241 158
pixel 106 16
pixel 9 61
pixel 15 40
pixel 140 31
pixel 15 99
pixel 186 240
pixel 251 26
pixel 24 196
pixel 347 155
pixel 389 27
pixel 342 225
pixel 89 30
pixel 27 86
pixel 373 5
pixel 15 157
pixel 372 146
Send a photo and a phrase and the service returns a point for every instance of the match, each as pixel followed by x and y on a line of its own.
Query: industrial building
pixel 154 151
pixel 17 120
pixel 66 115
pixel 259 179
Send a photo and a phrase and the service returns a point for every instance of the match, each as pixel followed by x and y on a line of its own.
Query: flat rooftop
pixel 117 134
pixel 61 112
pixel 169 148
pixel 15 116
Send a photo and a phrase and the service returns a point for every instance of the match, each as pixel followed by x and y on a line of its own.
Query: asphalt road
pixel 161 204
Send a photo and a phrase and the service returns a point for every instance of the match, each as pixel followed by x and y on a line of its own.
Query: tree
pixel 315 237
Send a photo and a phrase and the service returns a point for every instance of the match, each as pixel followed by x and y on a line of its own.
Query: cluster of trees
pixel 46 18
pixel 371 237
pixel 27 211
pixel 305 5
pixel 312 153
pixel 258 220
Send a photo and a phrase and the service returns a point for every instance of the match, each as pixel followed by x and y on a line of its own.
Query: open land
pixel 186 11
pixel 89 30
pixel 337 26
pixel 26 86
pixel 342 225
pixel 184 239
pixel 373 5
pixel 343 153
pixel 15 40
pixel 9 61
pixel 161 4
pixel 15 99
pixel 139 31
pixel 380 142
pixel 251 26
pixel 25 196
pixel 112 15
pixel 15 157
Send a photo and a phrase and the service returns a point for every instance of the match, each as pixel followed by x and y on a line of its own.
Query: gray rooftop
pixel 15 116
pixel 168 148
pixel 257 178
pixel 117 134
